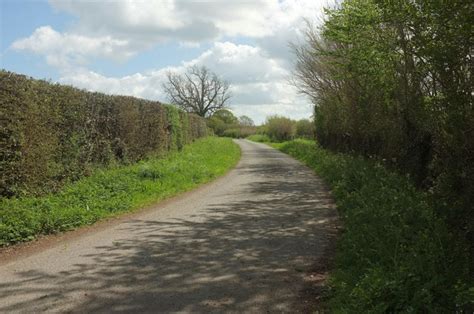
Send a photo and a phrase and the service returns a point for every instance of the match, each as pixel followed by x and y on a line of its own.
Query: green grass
pixel 112 191
pixel 395 254
pixel 261 138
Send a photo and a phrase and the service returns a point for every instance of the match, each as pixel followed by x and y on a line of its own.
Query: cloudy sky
pixel 126 47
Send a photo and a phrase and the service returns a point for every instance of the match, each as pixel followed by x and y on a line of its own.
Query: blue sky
pixel 126 47
pixel 18 20
pixel 21 17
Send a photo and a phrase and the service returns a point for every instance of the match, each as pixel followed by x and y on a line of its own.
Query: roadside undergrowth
pixel 109 192
pixel 395 253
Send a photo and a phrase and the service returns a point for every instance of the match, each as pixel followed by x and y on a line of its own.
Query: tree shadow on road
pixel 244 255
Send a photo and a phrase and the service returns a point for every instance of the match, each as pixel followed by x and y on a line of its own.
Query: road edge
pixel 22 250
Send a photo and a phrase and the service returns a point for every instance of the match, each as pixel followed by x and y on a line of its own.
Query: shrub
pixel 216 125
pixel 224 123
pixel 239 132
pixel 53 134
pixel 305 129
pixel 246 131
pixel 234 133
pixel 279 128
pixel 222 120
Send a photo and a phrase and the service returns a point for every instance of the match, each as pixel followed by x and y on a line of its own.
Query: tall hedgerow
pixel 393 80
pixel 52 134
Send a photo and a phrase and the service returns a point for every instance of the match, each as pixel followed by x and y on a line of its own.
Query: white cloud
pixel 176 20
pixel 139 85
pixel 121 29
pixel 146 23
pixel 259 84
pixel 258 71
pixel 240 63
pixel 64 50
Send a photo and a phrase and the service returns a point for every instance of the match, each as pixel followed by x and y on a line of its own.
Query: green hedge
pixel 53 134
pixel 395 253
pixel 394 79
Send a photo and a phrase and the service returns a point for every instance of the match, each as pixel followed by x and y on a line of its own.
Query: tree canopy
pixel 392 81
pixel 246 121
pixel 198 90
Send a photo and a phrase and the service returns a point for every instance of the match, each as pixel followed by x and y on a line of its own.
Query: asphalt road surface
pixel 243 243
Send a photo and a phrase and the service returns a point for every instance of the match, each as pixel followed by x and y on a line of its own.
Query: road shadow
pixel 241 256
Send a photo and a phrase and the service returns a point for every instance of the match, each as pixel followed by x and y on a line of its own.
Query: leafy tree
pixel 305 129
pixel 216 125
pixel 393 80
pixel 222 120
pixel 226 116
pixel 198 91
pixel 224 123
pixel 246 121
pixel 280 128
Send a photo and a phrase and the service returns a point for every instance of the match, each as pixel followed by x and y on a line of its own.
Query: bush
pixel 221 121
pixel 305 129
pixel 246 131
pixel 395 253
pixel 234 133
pixel 54 134
pixel 224 123
pixel 239 132
pixel 217 125
pixel 279 128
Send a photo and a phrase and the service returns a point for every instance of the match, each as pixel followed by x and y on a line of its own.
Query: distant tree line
pixel 276 128
pixel 224 123
pixel 279 128
pixel 393 80
pixel 52 134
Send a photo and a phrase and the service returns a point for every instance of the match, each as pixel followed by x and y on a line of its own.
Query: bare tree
pixel 198 90
pixel 315 68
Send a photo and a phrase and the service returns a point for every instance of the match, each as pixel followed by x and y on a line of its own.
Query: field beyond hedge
pixel 109 192
pixel 395 254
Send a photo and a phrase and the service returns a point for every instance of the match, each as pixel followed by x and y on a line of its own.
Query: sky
pixel 126 47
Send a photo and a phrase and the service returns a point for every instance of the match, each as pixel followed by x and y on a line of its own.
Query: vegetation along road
pixel 245 242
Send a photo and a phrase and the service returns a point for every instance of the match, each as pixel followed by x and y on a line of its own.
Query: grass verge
pixel 395 254
pixel 261 138
pixel 112 191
